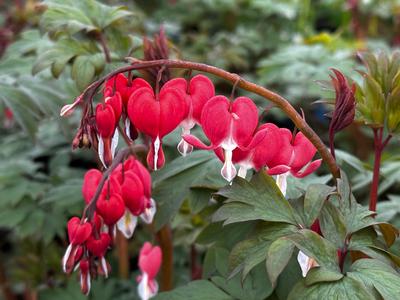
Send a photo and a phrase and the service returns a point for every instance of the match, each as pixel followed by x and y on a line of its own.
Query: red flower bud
pixel 105 120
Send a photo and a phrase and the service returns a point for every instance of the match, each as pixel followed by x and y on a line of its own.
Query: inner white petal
pixel 156 149
pixel 228 170
pixel 281 182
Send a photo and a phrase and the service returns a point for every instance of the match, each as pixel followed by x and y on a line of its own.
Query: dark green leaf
pixel 344 289
pixel 375 273
pixel 195 290
pixel 179 174
pixel 333 225
pixel 83 71
pixel 259 199
pixel 315 246
pixel 278 256
pixel 318 274
pixel 314 200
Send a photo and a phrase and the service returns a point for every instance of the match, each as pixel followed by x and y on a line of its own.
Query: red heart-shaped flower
pixel 201 89
pixel 90 182
pixel 116 103
pixel 157 118
pixel 120 83
pixel 133 193
pixel 98 247
pixel 105 120
pixel 78 233
pixel 150 260
pixel 143 174
pixel 226 124
pixel 111 209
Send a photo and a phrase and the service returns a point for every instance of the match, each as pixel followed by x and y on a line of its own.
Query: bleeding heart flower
pixel 111 187
pixel 107 135
pixel 198 92
pixel 85 280
pixel 259 156
pixel 98 247
pixel 149 264
pixel 74 258
pixel 90 182
pixel 111 209
pixel 133 193
pixel 105 120
pixel 294 158
pixel 229 126
pixel 121 84
pixel 156 116
pixel 78 234
pixel 116 103
pixel 136 183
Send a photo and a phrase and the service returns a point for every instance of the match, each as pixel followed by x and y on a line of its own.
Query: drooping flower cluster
pixel 131 107
pixel 125 196
pixel 231 126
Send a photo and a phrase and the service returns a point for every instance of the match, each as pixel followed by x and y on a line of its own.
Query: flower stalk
pixel 278 100
pixel 379 146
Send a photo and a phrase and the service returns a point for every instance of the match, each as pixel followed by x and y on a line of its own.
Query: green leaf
pixel 181 173
pixel 333 225
pixel 24 112
pixel 344 289
pixel 288 278
pixel 259 199
pixel 227 235
pixel 66 194
pixel 10 219
pixel 314 200
pixel 250 252
pixel 315 246
pixel 198 199
pixel 87 15
pixel 318 274
pixel 372 272
pixel 278 256
pixel 71 291
pixel 83 71
pixel 254 287
pixel 195 290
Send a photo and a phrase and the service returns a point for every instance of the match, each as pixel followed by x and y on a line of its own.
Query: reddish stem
pixel 379 145
pixel 123 256
pixel 278 100
pixel 164 237
pixel 195 269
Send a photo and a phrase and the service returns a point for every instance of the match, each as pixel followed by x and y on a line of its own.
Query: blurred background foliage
pixel 50 50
